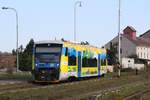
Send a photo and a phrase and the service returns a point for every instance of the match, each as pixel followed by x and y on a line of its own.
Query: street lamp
pixel 79 4
pixel 13 9
pixel 119 36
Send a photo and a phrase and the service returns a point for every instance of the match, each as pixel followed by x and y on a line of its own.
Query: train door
pixel 99 65
pixel 79 65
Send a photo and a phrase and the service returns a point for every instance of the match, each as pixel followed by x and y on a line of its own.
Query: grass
pixel 146 96
pixel 16 76
pixel 131 89
pixel 82 89
pixel 125 91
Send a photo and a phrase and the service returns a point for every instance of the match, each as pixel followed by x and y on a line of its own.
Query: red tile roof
pixel 139 41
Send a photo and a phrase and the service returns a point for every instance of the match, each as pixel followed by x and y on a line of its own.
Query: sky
pixel 97 20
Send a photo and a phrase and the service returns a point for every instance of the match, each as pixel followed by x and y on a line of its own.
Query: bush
pixel 9 70
pixel 115 68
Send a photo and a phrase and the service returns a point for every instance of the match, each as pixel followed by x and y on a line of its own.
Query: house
pixel 131 45
pixel 146 35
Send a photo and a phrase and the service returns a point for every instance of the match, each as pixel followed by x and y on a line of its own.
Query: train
pixel 55 61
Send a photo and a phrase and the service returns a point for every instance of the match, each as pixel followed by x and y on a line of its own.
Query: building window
pixel 121 38
pixel 120 50
pixel 138 55
pixel 111 44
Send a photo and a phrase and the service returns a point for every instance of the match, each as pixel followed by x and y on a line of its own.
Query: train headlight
pixel 43 71
pixel 57 65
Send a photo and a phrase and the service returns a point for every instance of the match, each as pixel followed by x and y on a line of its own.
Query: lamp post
pixel 79 4
pixel 119 36
pixel 13 9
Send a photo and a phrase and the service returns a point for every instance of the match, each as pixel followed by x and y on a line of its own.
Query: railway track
pixel 19 87
pixel 24 86
pixel 137 95
pixel 95 95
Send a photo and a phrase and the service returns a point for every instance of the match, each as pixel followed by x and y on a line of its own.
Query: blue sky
pixel 47 19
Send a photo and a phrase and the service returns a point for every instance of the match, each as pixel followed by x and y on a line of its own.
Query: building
pixel 146 35
pixel 131 45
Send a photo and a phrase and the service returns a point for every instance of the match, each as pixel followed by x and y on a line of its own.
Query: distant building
pixel 146 35
pixel 132 45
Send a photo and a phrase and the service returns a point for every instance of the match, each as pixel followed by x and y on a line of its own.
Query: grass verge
pixel 15 76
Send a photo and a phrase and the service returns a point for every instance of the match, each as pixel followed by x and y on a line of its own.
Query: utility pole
pixel 17 42
pixel 79 4
pixel 119 46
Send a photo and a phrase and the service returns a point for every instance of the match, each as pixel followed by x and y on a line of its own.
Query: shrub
pixel 9 70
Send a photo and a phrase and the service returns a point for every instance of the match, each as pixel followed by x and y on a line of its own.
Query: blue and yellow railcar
pixel 62 60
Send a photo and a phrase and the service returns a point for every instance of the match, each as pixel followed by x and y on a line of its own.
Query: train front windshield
pixel 47 61
pixel 48 58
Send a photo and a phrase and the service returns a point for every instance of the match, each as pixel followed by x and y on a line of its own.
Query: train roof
pixel 60 42
pixel 67 43
pixel 57 42
pixel 49 41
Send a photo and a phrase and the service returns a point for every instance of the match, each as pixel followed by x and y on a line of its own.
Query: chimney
pixel 130 32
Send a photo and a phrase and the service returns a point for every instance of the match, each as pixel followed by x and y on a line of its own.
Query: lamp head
pixel 80 4
pixel 4 8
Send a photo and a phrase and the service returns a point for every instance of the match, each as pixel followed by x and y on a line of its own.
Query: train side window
pixel 88 59
pixel 66 51
pixel 85 62
pixel 85 59
pixel 103 62
pixel 63 51
pixel 71 57
pixel 93 62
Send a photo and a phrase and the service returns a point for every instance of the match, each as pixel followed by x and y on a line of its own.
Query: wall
pixel 127 63
pixel 139 66
pixel 128 48
pixel 110 68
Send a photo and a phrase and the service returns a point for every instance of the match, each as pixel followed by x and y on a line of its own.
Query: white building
pixel 128 63
pixel 132 45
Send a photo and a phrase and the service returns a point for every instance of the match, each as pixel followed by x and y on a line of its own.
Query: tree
pixel 25 57
pixel 29 47
pixel 111 54
pixel 20 49
pixel 13 52
pixel 85 43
